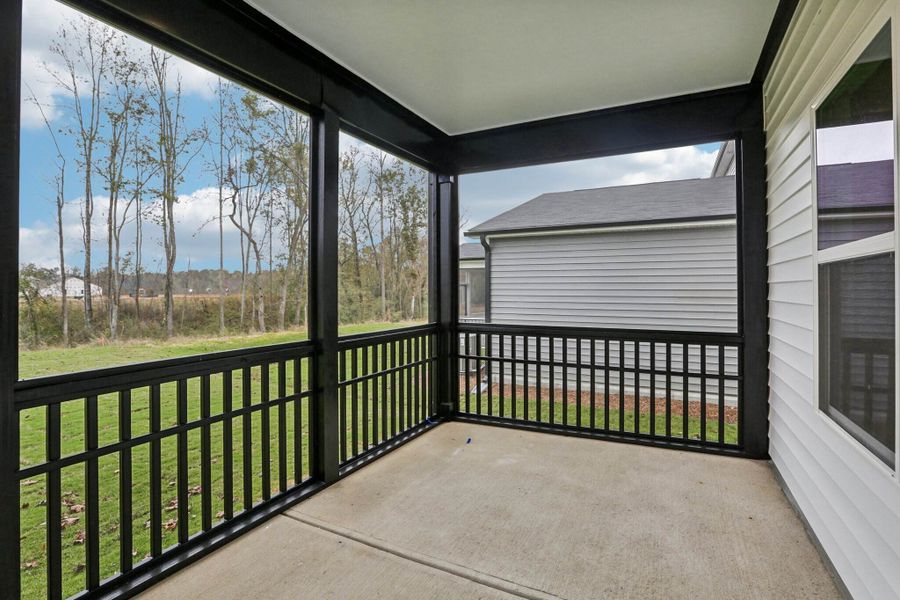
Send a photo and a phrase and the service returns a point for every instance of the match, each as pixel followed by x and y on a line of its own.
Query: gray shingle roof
pixel 669 201
pixel 471 251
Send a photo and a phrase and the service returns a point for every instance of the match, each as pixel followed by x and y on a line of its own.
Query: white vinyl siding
pixel 681 279
pixel 850 500
pixel 669 279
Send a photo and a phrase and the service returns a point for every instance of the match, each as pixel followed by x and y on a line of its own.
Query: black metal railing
pixel 664 387
pixel 120 467
pixel 384 387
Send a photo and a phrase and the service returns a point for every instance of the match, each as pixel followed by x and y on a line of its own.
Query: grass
pixel 35 363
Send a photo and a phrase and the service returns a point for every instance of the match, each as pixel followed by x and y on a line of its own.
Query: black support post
pixel 323 286
pixel 753 284
pixel 10 38
pixel 447 292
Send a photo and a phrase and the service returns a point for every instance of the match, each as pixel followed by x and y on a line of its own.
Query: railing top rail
pixel 640 335
pixel 347 342
pixel 56 388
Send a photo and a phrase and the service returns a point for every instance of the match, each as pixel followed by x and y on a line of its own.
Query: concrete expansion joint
pixel 485 579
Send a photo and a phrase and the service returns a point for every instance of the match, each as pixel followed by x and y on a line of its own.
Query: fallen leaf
pixel 31 564
pixel 76 508
pixel 79 538
pixel 170 524
pixel 220 514
pixel 79 568
pixel 66 521
pixel 29 482
pixel 172 505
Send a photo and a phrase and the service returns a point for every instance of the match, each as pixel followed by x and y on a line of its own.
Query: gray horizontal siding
pixel 677 279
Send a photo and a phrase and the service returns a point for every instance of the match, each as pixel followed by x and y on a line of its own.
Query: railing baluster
pixel 393 376
pixel 384 392
pixel 478 367
pixel 721 394
pixel 182 451
pixel 578 383
pixel 342 403
pixel 606 384
pixel 247 441
pixel 686 387
pixel 265 436
pixel 622 385
pixel 125 506
pixel 298 420
pixel 155 474
pixel 668 389
pixel 375 400
pixel 552 350
pixel 282 426
pixel 515 382
pixel 92 485
pixel 227 444
pixel 653 388
pixel 703 392
pixel 636 394
pixel 490 375
pixel 409 396
pixel 354 403
pixel 365 398
pixel 537 376
pixel 54 504
pixel 466 366
pixel 205 456
pixel 502 378
pixel 593 416
pixel 565 381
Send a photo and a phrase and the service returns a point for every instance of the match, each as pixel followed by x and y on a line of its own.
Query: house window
pixel 856 250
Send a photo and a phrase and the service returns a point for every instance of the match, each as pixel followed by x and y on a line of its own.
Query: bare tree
pixel 84 46
pixel 176 148
pixel 59 182
pixel 123 114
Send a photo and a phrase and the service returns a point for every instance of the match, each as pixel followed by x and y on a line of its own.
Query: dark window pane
pixel 855 150
pixel 856 349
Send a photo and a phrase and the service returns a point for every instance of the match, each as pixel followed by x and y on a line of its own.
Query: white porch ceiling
pixel 475 64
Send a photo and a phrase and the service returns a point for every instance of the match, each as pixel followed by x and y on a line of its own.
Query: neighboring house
pixel 649 256
pixel 471 282
pixel 74 289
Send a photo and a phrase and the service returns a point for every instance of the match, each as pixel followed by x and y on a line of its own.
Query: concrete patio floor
pixel 513 514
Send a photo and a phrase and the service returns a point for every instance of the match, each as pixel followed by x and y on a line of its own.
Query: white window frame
pixel 871 246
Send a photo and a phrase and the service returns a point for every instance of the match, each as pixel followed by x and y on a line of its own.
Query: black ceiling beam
pixel 237 41
pixel 777 30
pixel 682 120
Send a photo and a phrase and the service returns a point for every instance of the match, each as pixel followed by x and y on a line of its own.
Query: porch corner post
pixel 753 284
pixel 447 213
pixel 10 64
pixel 323 330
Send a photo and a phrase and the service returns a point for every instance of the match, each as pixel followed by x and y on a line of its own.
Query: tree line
pixel 128 137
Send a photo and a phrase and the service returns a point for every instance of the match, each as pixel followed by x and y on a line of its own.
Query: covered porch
pixel 474 511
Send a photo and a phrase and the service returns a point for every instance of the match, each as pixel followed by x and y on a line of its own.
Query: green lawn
pixel 33 440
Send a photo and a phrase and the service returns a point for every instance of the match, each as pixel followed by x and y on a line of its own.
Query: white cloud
pixel 197 235
pixel 41 22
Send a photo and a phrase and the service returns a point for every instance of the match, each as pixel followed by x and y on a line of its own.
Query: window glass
pixel 856 349
pixel 855 150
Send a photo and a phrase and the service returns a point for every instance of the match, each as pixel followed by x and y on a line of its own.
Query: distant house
pixel 471 282
pixel 74 289
pixel 648 256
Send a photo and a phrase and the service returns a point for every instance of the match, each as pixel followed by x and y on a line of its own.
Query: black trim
pixel 678 121
pixel 10 83
pixel 597 226
pixel 777 30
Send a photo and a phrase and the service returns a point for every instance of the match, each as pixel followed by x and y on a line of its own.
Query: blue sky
pixel 481 196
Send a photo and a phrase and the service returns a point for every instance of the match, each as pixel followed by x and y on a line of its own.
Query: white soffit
pixel 468 65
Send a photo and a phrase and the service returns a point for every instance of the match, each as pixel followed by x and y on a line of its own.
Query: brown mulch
pixel 694 407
